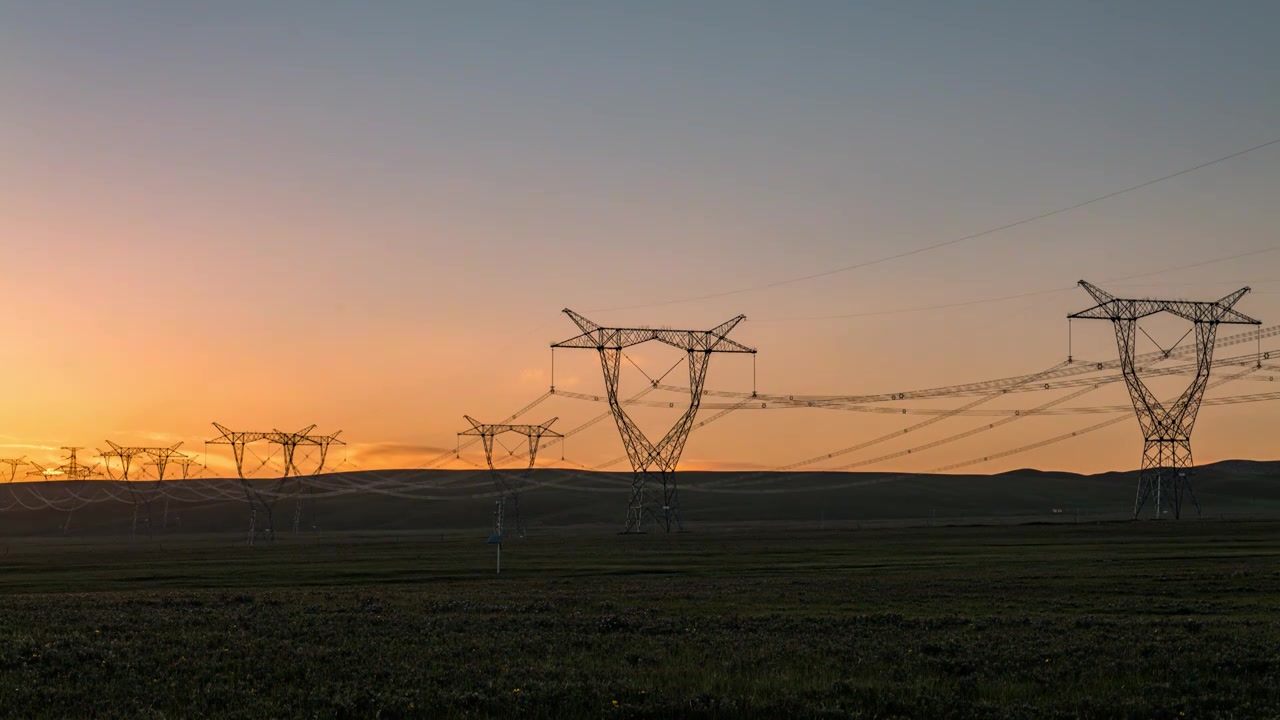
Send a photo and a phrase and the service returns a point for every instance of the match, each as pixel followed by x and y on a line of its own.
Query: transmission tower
pixel 124 454
pixel 1166 429
pixel 14 464
pixel 160 459
pixel 508 487
pixel 288 441
pixel 648 458
pixel 72 469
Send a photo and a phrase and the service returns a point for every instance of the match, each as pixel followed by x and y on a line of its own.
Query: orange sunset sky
pixel 370 217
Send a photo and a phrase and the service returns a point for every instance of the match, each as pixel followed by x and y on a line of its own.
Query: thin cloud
pixel 385 451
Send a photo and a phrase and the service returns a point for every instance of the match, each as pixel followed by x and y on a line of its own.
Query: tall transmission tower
pixel 648 458
pixel 508 487
pixel 1166 429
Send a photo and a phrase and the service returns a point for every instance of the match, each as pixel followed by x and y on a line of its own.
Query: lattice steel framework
pixel 1167 462
pixel 508 485
pixel 72 469
pixel 160 458
pixel 14 464
pixel 238 440
pixel 647 458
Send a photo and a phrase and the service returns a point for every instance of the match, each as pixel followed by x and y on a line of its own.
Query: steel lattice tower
pixel 1166 429
pixel 71 470
pixel 14 464
pixel 160 459
pixel 238 440
pixel 648 458
pixel 507 486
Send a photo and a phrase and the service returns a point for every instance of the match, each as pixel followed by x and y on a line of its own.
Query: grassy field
pixel 1135 620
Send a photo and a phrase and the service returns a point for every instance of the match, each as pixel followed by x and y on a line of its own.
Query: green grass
pixel 1134 620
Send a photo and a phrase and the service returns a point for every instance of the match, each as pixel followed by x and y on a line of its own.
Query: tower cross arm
pixel 1110 307
pixel 165 452
pixel 480 429
pixel 231 437
pixel 1229 315
pixel 322 439
pixel 477 428
pixel 595 337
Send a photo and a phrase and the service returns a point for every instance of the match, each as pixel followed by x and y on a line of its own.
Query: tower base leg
pixel 1165 478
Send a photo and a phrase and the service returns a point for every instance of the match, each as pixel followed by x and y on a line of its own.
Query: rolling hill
pixel 462 501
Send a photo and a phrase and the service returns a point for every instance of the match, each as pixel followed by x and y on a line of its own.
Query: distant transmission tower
pixel 70 470
pixel 504 483
pixel 648 458
pixel 1166 453
pixel 14 464
pixel 288 441
pixel 160 459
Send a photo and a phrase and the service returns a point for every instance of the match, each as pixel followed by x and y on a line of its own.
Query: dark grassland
pixel 1135 620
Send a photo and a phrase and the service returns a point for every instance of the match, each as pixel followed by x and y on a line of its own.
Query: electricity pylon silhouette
pixel 238 440
pixel 160 458
pixel 1166 429
pixel 648 458
pixel 507 486
pixel 70 470
pixel 14 464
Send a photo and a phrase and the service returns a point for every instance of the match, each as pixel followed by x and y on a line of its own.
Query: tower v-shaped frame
pixel 649 458
pixel 1166 429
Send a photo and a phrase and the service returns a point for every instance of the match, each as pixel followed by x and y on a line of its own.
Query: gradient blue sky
pixel 368 215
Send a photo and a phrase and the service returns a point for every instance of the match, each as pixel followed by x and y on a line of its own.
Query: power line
pixel 946 243
pixel 1033 293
